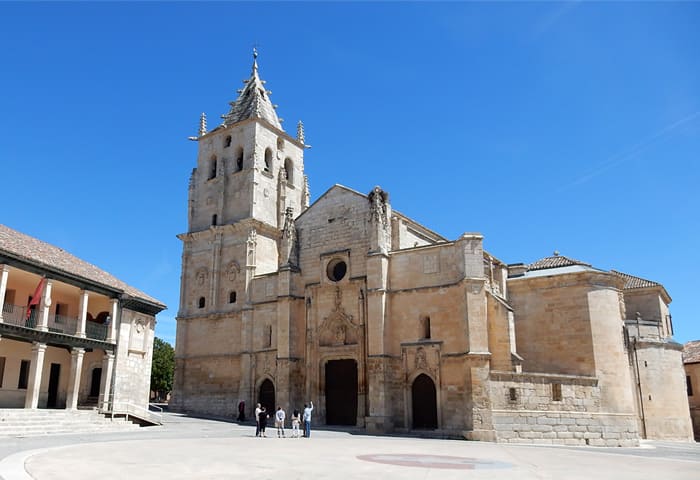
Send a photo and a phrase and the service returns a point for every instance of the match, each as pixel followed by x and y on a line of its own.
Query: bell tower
pixel 249 177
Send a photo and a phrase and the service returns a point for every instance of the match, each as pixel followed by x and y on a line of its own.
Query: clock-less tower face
pixel 248 172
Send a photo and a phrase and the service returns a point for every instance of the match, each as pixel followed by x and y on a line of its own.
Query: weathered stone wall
pixel 499 330
pixel 552 324
pixel 661 392
pixel 532 416
pixel 338 222
pixel 443 306
pixel 132 364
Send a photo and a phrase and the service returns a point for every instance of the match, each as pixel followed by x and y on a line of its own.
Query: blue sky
pixel 545 126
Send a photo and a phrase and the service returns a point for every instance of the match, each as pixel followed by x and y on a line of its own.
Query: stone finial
pixel 202 124
pixel 556 253
pixel 306 195
pixel 300 132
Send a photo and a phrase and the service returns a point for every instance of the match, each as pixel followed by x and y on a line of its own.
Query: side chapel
pixel 387 325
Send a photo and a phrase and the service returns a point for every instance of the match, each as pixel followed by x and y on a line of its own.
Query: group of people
pixel 261 416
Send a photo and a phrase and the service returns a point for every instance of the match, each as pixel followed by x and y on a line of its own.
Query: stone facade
pixel 385 324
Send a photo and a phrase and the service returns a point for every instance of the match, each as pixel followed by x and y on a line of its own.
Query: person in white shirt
pixel 307 419
pixel 257 421
pixel 279 421
pixel 296 421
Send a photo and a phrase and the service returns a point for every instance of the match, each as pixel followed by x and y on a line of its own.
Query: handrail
pixel 17 315
pixel 125 407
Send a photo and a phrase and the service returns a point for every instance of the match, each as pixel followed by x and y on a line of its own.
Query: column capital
pixel 109 356
pixel 38 347
pixel 77 351
pixel 4 268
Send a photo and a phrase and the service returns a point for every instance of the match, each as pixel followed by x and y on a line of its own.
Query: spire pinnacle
pixel 255 61
pixel 300 132
pixel 202 124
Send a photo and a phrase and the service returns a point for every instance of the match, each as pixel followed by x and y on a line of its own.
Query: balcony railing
pixel 17 315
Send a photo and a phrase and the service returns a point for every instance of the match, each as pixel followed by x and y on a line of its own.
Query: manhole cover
pixel 434 461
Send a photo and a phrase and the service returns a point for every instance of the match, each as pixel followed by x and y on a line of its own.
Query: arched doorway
pixel 266 396
pixel 424 401
pixel 341 392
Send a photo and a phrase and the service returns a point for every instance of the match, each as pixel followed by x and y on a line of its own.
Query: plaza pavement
pixel 191 448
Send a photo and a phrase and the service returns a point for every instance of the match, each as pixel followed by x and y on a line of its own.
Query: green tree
pixel 163 368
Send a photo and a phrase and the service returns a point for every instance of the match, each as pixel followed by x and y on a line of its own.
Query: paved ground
pixel 189 448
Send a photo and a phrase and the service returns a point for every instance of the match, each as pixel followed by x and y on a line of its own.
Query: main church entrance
pixel 423 395
pixel 341 392
pixel 266 396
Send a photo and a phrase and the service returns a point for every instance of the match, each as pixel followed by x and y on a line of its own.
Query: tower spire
pixel 253 100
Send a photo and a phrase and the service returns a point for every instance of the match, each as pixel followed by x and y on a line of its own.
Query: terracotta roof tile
pixel 555 261
pixel 635 282
pixel 42 254
pixel 691 352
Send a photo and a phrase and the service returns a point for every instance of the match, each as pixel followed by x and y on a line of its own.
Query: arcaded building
pixel 71 334
pixel 385 324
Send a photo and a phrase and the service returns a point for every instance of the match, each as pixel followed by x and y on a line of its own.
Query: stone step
pixel 20 422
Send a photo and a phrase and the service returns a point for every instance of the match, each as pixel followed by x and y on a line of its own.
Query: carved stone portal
pixel 338 327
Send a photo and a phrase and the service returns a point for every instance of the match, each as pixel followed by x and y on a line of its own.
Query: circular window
pixel 336 270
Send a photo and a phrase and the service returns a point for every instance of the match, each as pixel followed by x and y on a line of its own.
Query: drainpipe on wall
pixel 639 388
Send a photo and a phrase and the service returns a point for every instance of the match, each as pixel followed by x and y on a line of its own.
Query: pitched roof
pixel 253 101
pixel 45 255
pixel 635 282
pixel 555 261
pixel 691 352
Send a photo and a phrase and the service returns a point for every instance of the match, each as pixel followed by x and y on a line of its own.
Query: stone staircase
pixel 18 422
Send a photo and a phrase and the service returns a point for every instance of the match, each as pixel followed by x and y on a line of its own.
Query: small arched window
pixel 268 336
pixel 268 160
pixel 425 327
pixel 212 167
pixel 239 159
pixel 232 297
pixel 289 168
pixel 201 302
pixel 227 141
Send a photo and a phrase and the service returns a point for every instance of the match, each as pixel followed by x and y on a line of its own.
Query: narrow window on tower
pixel 425 327
pixel 212 167
pixel 239 159
pixel 232 297
pixel 268 336
pixel 213 219
pixel 268 160
pixel 289 168
pixel 201 302
pixel 227 141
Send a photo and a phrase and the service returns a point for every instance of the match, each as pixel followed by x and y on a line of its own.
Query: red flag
pixel 36 298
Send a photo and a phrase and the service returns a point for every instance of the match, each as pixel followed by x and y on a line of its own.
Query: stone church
pixel 387 325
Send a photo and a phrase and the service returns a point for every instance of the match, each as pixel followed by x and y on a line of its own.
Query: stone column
pixel 4 272
pixel 82 314
pixel 106 381
pixel 35 370
pixel 112 332
pixel 76 367
pixel 44 307
pixel 378 415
